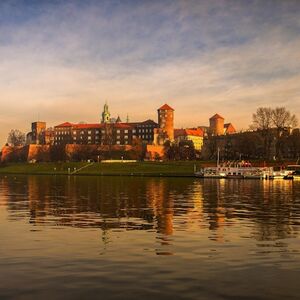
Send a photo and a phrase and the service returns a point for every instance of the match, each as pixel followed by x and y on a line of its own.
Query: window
pixel 126 131
pixel 89 132
pixel 74 132
pixel 118 142
pixel 97 131
pixel 89 137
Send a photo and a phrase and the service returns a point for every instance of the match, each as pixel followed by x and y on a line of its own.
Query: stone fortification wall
pixel 44 153
pixel 39 153
pixel 154 152
pixel 14 154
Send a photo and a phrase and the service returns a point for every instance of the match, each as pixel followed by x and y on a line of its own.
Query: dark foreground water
pixel 148 238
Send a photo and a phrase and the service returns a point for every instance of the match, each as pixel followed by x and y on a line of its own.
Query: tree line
pixel 271 136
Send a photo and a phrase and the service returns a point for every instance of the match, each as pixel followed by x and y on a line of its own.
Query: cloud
pixel 62 61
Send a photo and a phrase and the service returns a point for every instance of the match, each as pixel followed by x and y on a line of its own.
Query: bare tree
pixel 283 121
pixel 274 126
pixel 16 138
pixel 262 122
pixel 262 119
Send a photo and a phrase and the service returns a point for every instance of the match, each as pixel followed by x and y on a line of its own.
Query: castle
pixel 111 133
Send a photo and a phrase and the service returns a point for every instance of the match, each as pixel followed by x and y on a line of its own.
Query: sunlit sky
pixel 61 60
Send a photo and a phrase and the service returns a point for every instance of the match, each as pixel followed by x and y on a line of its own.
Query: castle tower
pixel 38 132
pixel 105 114
pixel 166 121
pixel 216 125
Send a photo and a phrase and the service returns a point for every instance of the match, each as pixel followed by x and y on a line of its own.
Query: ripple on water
pixel 166 238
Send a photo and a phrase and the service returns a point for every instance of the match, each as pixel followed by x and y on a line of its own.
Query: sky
pixel 61 60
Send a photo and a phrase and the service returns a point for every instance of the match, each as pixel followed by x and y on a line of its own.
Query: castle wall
pixel 38 153
pixel 14 154
pixel 155 151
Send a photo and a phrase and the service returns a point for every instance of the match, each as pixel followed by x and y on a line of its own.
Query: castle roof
pixel 122 125
pixel 87 126
pixel 188 131
pixel 66 124
pixel 166 107
pixel 229 128
pixel 147 122
pixel 194 132
pixel 216 116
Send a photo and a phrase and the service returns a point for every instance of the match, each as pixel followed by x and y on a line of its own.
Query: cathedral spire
pixel 105 114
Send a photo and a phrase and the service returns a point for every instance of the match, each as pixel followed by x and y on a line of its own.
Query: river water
pixel 148 238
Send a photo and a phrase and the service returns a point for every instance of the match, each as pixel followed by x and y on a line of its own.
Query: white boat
pixel 292 172
pixel 239 169
pixel 235 170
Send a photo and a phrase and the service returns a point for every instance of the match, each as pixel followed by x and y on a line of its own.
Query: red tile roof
pixel 229 128
pixel 122 125
pixel 165 107
pixel 66 124
pixel 216 116
pixel 194 132
pixel 188 131
pixel 87 126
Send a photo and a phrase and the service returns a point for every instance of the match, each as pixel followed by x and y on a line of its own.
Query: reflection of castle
pixel 160 204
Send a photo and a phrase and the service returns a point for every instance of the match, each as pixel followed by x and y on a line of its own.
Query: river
pixel 148 238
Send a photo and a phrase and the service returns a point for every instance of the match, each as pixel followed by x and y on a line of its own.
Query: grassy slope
pixel 140 168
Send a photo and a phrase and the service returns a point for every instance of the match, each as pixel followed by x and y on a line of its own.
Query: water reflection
pixel 163 205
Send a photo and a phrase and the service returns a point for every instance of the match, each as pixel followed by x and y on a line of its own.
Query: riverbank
pixel 182 169
pixel 170 168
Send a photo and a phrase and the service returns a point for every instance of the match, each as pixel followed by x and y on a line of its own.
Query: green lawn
pixel 138 169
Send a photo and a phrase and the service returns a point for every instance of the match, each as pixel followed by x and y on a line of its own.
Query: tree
pixel 262 119
pixel 282 120
pixel 293 143
pixel 16 138
pixel 262 122
pixel 186 150
pixel 274 126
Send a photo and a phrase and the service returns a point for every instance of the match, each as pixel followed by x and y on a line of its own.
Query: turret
pixel 166 121
pixel 216 125
pixel 105 114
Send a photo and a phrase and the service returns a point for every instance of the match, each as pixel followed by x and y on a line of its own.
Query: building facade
pixel 108 132
pixel 195 135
